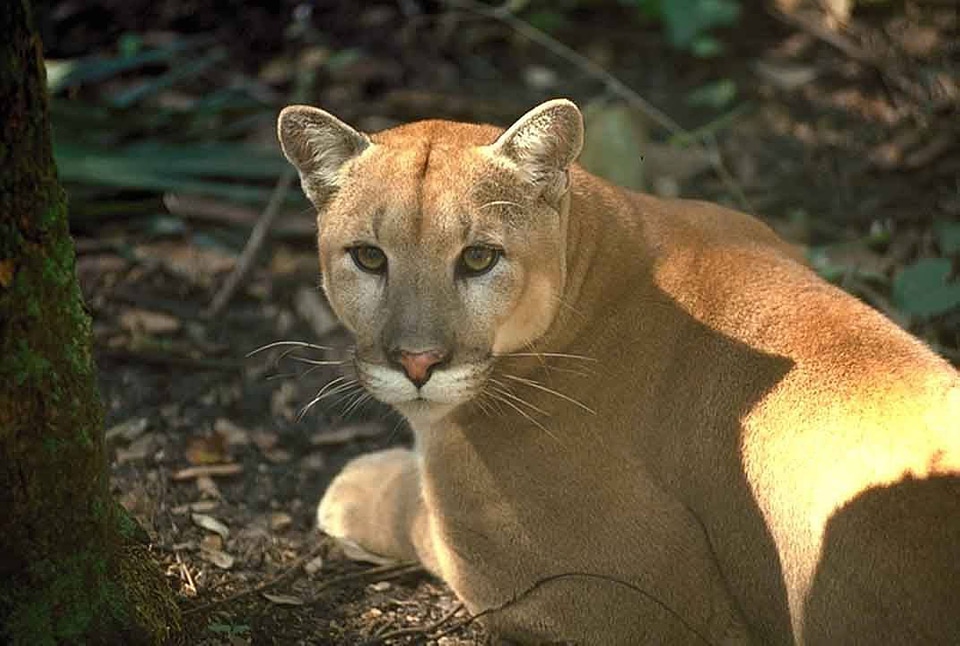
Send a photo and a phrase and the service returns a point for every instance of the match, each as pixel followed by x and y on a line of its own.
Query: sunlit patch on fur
pixel 530 319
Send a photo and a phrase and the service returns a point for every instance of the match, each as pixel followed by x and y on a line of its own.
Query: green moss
pixel 52 444
pixel 128 527
pixel 77 356
pixel 67 601
pixel 52 215
pixel 26 365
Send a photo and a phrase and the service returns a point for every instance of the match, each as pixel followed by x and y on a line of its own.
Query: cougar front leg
pixel 375 509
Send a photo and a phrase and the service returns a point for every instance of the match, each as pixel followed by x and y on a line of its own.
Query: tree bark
pixel 72 568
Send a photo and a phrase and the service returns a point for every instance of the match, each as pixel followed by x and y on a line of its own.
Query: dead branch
pixel 415 630
pixel 254 243
pixel 375 574
pixel 288 573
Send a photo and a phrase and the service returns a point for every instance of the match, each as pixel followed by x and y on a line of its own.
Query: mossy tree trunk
pixel 71 567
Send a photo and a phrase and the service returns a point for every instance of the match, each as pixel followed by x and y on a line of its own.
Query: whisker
pixel 558 355
pixel 361 398
pixel 320 395
pixel 315 362
pixel 501 203
pixel 343 388
pixel 540 358
pixel 564 303
pixel 528 417
pixel 503 390
pixel 484 392
pixel 287 375
pixel 482 405
pixel 393 432
pixel 347 395
pixel 299 344
pixel 539 386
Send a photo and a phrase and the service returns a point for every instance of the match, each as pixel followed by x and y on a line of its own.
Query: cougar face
pixel 440 249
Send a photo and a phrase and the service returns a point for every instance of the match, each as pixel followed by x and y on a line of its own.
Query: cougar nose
pixel 419 365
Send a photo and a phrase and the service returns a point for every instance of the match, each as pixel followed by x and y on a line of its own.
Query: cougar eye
pixel 369 258
pixel 478 259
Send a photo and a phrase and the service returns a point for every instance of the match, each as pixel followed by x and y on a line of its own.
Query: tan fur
pixel 731 450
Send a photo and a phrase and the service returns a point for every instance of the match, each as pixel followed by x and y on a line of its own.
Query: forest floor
pixel 845 141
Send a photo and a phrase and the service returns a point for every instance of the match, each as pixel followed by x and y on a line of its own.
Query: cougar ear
pixel 543 143
pixel 318 145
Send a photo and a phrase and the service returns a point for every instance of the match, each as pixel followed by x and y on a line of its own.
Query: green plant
pixel 687 23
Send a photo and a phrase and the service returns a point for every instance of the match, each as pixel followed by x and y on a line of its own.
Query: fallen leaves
pixel 207 449
pixel 280 520
pixel 218 558
pixel 210 524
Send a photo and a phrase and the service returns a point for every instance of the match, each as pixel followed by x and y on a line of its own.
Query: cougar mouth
pixel 448 386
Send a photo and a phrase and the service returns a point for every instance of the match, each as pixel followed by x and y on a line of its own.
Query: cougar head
pixel 442 245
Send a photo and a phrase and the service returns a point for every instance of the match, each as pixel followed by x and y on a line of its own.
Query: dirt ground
pixel 210 452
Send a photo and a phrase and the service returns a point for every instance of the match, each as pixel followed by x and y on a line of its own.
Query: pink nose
pixel 419 365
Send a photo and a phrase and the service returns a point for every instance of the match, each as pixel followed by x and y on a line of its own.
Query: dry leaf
pixel 207 449
pixel 146 321
pixel 207 470
pixel 212 542
pixel 346 434
pixel 211 524
pixel 139 449
pixel 280 520
pixel 208 487
pixel 265 440
pixel 219 558
pixel 283 599
pixel 278 456
pixel 128 430
pixel 313 566
pixel 785 76
pixel 234 434
pixel 201 506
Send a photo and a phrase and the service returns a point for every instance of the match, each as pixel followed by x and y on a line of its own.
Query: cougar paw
pixel 351 510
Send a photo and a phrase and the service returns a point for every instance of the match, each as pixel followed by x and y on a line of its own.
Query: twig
pixel 254 244
pixel 517 598
pixel 185 573
pixel 615 85
pixel 266 585
pixel 414 630
pixel 206 209
pixel 379 573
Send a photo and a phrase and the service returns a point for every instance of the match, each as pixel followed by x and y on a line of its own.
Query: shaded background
pixel 836 123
